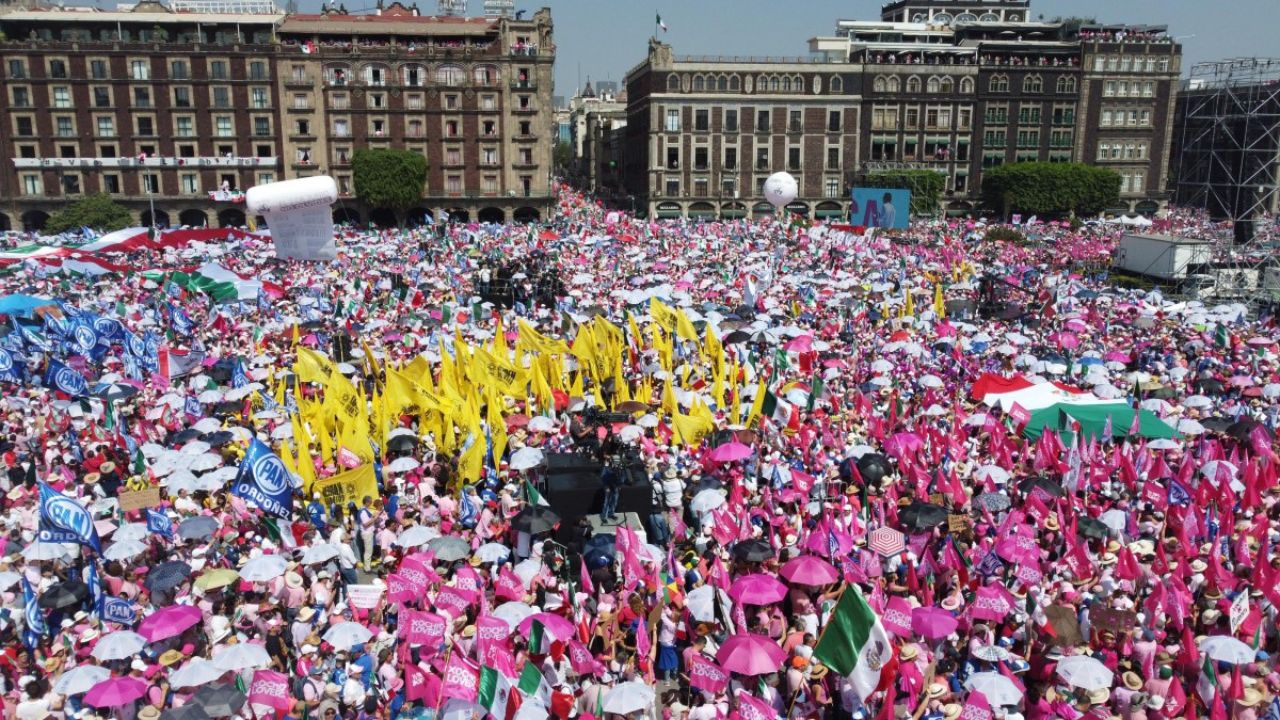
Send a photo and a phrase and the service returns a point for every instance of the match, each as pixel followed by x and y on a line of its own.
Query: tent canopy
pixel 1093 420
pixel 22 305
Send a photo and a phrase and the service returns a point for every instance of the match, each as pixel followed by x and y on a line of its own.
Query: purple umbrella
pixel 169 622
pixel 809 570
pixel 932 623
pixel 750 654
pixel 115 692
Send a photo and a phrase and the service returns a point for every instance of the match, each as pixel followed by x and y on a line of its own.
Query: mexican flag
pixel 534 686
pixel 539 641
pixel 854 643
pixel 1207 685
pixel 534 497
pixel 495 690
pixel 661 24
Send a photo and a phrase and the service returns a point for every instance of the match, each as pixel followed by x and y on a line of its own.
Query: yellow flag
pixel 939 306
pixel 306 466
pixel 352 486
pixel 757 404
pixel 684 327
pixel 537 341
pixel 311 366
pixel 497 428
pixel 909 307
pixel 669 403
pixel 297 336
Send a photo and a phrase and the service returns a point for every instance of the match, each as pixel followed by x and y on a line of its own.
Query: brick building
pixel 164 108
pixel 952 86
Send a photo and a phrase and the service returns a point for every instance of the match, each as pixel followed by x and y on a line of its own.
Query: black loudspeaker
pixel 1243 230
pixel 574 489
pixel 342 348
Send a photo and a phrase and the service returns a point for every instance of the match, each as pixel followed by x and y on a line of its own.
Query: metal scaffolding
pixel 1229 150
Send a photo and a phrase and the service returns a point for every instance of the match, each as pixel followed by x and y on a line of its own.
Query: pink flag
pixel 897 617
pixel 976 707
pixel 461 679
pixel 583 662
pixel 467 579
pixel 270 688
pixel 990 604
pixel 643 643
pixel 420 685
pixel 491 634
pixel 400 589
pixel 418 572
pixel 508 585
pixel 706 675
pixel 453 601
pixel 753 708
pixel 424 628
pixel 584 578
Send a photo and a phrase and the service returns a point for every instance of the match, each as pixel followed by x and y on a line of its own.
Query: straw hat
pixel 293 580
pixel 1099 696
pixel 1131 680
pixel 107 467
pixel 1051 523
pixel 1251 697
pixel 909 652
pixel 818 671
pixel 92 478
pixel 150 712
pixel 169 658
pixel 306 613
pixel 937 690
pixel 951 711
pixel 1198 565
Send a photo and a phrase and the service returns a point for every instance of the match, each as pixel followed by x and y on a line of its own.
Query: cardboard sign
pixel 957 523
pixel 1239 611
pixel 364 596
pixel 938 499
pixel 137 500
pixel 1117 621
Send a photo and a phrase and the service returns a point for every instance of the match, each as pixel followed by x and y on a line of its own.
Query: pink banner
pixel 491 636
pixel 270 688
pixel 753 708
pixel 421 685
pixel 706 675
pixel 417 571
pixel 1028 574
pixel 897 617
pixel 423 628
pixel 461 680
pixel 467 579
pixel 989 604
pixel 508 585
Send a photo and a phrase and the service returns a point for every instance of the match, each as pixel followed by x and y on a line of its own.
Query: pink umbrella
pixel 561 628
pixel 932 623
pixel 886 541
pixel 750 654
pixel 730 452
pixel 757 589
pixel 169 622
pixel 114 692
pixel 809 570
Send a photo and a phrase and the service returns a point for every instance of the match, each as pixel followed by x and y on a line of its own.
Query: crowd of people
pixel 869 500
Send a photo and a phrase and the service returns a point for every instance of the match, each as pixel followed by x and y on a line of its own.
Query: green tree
pixel 1039 188
pixel 97 212
pixel 389 179
pixel 925 185
pixel 563 155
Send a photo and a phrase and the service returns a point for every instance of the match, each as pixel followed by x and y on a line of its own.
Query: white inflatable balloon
pixel 780 189
pixel 298 213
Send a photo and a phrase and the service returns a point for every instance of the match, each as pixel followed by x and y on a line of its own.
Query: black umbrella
pixel 873 467
pixel 960 307
pixel 1217 424
pixel 64 595
pixel 221 373
pixel 535 519
pixel 918 516
pixel 752 551
pixel 1044 483
pixel 184 436
pixel 168 575
pixel 228 408
pixel 1089 527
pixel 200 527
pixel 600 550
pixel 735 337
pixel 219 700
pixel 114 391
pixel 185 712
pixel 402 443
pixel 1242 429
pixel 219 438
pixel 1210 386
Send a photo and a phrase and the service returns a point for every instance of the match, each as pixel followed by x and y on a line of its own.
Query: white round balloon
pixel 780 189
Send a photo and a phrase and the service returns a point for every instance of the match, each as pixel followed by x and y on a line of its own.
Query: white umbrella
pixel 205 461
pixel 124 549
pixel 197 672
pixel 542 423
pixel 1084 672
pixel 8 579
pixel 527 570
pixel 150 450
pixel 1163 444
pixel 1214 468
pixel 1115 519
pixel 220 476
pixel 346 635
pixel 1225 648
pixel 648 421
pixel 319 553
pixel 264 568
pixel 493 552
pixel 628 697
pixel 882 366
pixel 1187 426
pixel 700 601
pixel 131 531
pixel 930 381
pixel 241 656
pixel 80 679
pixel 401 431
pixel 48 551
pixel 631 433
pixel 706 501
pixel 998 689
pixel 208 425
pixel 402 464
pixel 416 535
pixel 526 458
pixel 195 447
pixel 997 474
pixel 513 613
pixel 1197 401
pixel 119 645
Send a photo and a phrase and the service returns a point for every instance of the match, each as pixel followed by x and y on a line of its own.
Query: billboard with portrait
pixel 880 207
